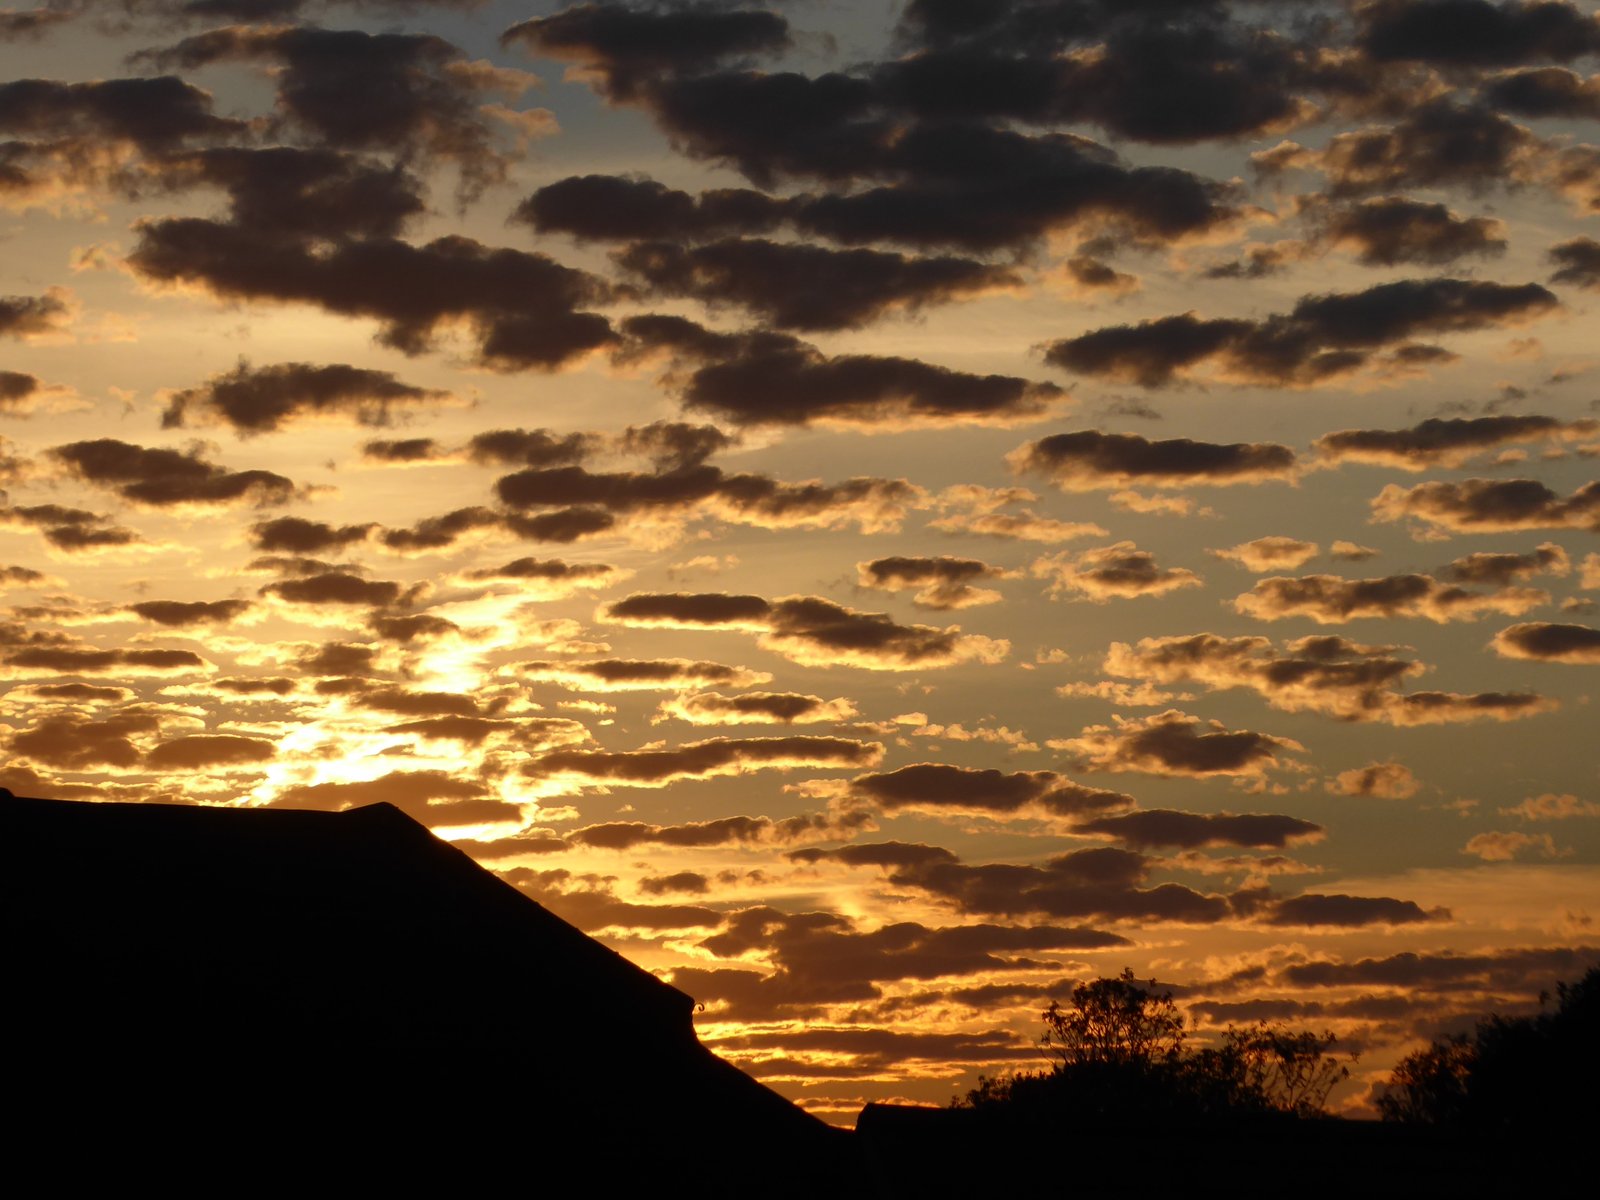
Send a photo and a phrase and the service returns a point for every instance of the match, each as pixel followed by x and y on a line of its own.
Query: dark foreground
pixel 236 1001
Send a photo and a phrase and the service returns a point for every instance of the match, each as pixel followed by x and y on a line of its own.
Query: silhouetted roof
pixel 344 969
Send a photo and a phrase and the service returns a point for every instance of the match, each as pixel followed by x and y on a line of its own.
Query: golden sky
pixel 875 511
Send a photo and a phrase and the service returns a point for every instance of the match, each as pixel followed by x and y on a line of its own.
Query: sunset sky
pixel 876 511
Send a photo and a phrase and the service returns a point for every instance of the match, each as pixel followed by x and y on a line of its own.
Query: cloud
pixel 1385 780
pixel 699 760
pixel 300 192
pixel 162 478
pixel 523 308
pixel 1323 674
pixel 1446 441
pixel 873 504
pixel 1475 33
pixel 1269 553
pixel 628 675
pixel 1164 827
pixel 342 588
pixel 804 286
pixel 1501 569
pixel 183 613
pixel 1103 882
pixel 255 400
pixel 549 578
pixel 529 447
pixel 298 536
pixel 1341 911
pixel 1090 460
pixel 434 100
pixel 1503 847
pixel 1323 337
pixel 27 317
pixel 589 903
pixel 1578 263
pixel 723 831
pixel 770 378
pixel 1490 505
pixel 1334 600
pixel 981 510
pixel 755 708
pixel 210 752
pixel 1120 571
pixel 435 798
pixel 89 660
pixel 1551 806
pixel 71 530
pixel 944 790
pixel 1548 642
pixel 1172 743
pixel 942 583
pixel 811 630
pixel 1393 230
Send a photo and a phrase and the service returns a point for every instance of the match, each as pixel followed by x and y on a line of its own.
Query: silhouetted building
pixel 244 994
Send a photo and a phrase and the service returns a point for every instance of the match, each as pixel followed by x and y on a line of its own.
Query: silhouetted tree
pixel 1121 1050
pixel 1511 1075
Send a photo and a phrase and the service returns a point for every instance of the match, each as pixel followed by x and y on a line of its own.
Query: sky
pixel 876 511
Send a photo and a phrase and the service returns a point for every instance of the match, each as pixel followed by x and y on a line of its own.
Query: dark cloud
pixel 256 400
pixel 1393 230
pixel 688 882
pixel 1120 571
pixel 702 760
pixel 626 48
pixel 402 451
pixel 30 24
pixel 940 582
pixel 1446 441
pixel 1104 882
pixel 433 99
pixel 812 630
pixel 1543 92
pixel 1476 33
pixel 1501 569
pixel 803 286
pixel 181 613
pixel 435 798
pixel 162 478
pixel 1175 744
pixel 589 903
pixel 631 208
pixel 29 316
pixel 86 660
pixel 674 445
pixel 1388 780
pixel 1578 262
pixel 72 135
pixel 629 674
pixel 1548 642
pixel 15 576
pixel 941 788
pixel 337 659
pixel 1495 970
pixel 296 535
pixel 1347 912
pixel 723 831
pixel 1439 144
pixel 1090 460
pixel 529 448
pixel 1490 505
pixel 1324 674
pixel 1333 600
pixel 773 378
pixel 708 490
pixel 73 530
pixel 755 708
pixel 1322 337
pixel 1164 827
pixel 69 742
pixel 550 577
pixel 340 588
pixel 301 192
pixel 209 752
pixel 522 307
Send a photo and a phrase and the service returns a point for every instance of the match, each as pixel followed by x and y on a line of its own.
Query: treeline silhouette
pixel 1121 1049
pixel 1511 1076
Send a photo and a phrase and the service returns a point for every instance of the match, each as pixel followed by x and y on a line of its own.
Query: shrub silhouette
pixel 1511 1075
pixel 1120 1049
